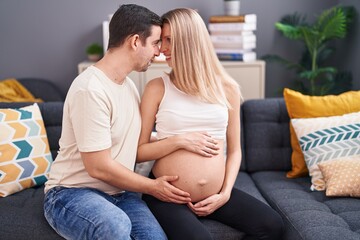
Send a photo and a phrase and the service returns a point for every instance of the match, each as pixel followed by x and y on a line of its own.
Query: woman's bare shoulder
pixel 156 83
pixel 232 90
pixel 154 89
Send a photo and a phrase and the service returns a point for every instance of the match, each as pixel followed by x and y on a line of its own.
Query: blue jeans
pixel 85 213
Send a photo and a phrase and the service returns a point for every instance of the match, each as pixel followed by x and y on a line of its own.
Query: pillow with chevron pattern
pixel 25 156
pixel 327 138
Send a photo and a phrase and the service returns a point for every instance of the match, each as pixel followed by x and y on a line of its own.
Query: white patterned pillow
pixel 327 138
pixel 25 156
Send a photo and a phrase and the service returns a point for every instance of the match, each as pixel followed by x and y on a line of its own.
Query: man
pixel 90 191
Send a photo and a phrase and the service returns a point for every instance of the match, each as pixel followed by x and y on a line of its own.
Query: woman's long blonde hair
pixel 196 69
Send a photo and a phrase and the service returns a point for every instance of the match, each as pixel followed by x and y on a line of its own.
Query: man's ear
pixel 134 41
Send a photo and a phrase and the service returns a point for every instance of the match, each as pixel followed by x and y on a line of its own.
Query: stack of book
pixel 233 37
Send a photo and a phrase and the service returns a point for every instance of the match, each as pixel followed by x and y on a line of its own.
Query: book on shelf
pixel 238 33
pixel 233 38
pixel 229 27
pixel 236 45
pixel 232 50
pixel 244 18
pixel 246 56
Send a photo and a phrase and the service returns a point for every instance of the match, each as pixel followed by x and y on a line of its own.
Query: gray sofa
pixel 266 159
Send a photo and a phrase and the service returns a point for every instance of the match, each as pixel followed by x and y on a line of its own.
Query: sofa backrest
pixel 266 135
pixel 265 132
pixel 43 88
pixel 52 113
pixel 52 116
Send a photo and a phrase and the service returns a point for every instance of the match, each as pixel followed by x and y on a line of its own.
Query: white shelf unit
pixel 249 75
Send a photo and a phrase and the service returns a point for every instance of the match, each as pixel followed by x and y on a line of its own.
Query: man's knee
pixel 113 227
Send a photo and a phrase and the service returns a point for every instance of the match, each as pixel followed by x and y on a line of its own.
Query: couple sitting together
pixel 92 190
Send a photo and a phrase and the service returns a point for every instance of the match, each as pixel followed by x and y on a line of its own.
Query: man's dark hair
pixel 131 19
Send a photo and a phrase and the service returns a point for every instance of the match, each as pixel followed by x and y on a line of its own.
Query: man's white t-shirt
pixel 98 114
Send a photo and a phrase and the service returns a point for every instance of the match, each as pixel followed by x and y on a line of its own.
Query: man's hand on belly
pixel 165 191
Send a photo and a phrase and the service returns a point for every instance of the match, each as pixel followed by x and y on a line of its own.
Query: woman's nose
pixel 163 47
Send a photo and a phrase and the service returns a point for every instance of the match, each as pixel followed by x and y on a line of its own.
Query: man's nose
pixel 157 51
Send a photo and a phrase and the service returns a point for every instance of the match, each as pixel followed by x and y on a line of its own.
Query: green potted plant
pixel 314 77
pixel 94 52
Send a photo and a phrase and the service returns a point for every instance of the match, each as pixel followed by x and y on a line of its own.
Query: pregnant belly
pixel 199 176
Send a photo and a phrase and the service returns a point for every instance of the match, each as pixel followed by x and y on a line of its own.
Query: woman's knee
pixel 278 226
pixel 272 226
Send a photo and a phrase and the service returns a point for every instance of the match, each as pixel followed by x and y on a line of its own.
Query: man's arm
pixel 101 166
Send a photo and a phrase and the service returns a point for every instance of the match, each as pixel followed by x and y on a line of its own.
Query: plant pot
pixel 94 57
pixel 232 8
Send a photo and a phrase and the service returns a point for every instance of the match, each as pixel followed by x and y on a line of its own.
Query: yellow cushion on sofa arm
pixel 12 90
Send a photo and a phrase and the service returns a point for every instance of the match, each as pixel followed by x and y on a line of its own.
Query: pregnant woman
pixel 196 109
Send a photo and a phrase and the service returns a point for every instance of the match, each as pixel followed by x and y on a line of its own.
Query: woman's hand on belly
pixel 209 205
pixel 199 142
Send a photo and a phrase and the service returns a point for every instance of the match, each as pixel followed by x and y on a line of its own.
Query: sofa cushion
pixel 327 138
pixel 309 214
pixel 303 106
pixel 342 177
pixel 22 216
pixel 266 135
pixel 221 231
pixel 25 155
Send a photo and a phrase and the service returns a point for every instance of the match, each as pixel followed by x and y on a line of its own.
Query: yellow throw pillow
pixel 25 156
pixel 303 106
pixel 342 177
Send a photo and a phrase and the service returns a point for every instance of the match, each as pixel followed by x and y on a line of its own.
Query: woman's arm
pixel 233 156
pixel 150 101
pixel 197 142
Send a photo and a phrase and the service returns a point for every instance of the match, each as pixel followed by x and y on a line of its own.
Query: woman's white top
pixel 182 113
